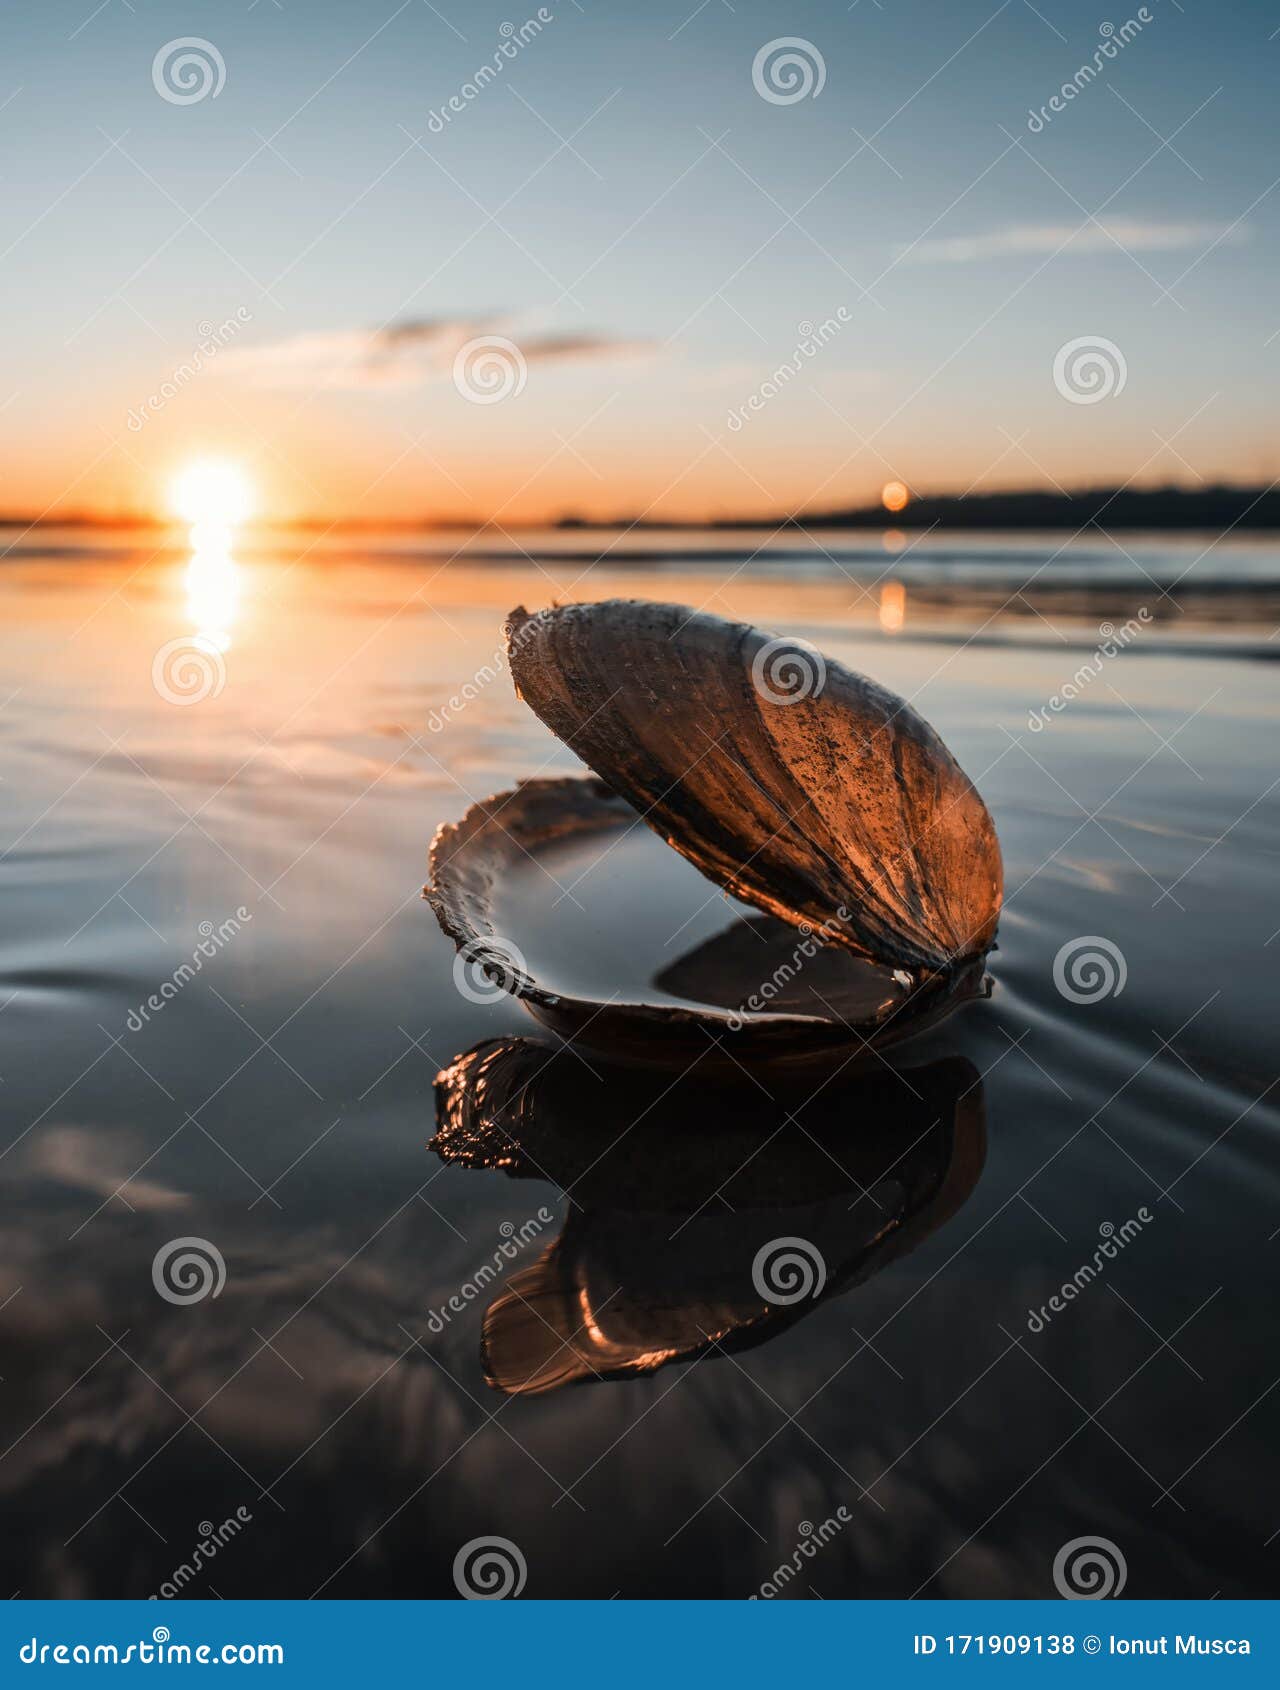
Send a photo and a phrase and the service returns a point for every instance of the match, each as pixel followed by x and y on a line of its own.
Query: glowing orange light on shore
pixel 894 495
pixel 893 606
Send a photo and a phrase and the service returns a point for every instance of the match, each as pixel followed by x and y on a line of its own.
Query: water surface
pixel 278 1102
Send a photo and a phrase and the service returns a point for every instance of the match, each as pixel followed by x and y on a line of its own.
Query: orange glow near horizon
pixel 894 495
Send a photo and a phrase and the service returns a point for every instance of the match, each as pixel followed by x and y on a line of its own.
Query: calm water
pixel 278 1104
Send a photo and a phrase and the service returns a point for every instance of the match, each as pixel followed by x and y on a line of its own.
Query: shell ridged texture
pixel 790 781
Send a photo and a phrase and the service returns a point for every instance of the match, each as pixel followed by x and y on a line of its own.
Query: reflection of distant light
pixel 894 495
pixel 893 540
pixel 893 606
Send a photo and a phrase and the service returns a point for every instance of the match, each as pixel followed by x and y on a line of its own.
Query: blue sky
pixel 621 204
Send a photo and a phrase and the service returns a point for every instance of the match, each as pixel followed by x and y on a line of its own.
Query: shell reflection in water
pixel 712 1224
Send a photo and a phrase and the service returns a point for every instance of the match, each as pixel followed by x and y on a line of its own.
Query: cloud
pixel 409 353
pixel 1046 238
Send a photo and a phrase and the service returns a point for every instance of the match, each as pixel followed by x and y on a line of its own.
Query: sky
pixel 413 261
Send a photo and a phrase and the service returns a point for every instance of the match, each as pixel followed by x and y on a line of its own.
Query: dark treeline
pixel 1214 508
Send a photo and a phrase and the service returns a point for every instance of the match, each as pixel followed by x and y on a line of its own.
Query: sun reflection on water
pixel 214 498
pixel 213 592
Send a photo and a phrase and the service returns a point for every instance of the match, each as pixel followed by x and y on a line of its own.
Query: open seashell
pixel 796 787
pixel 732 1215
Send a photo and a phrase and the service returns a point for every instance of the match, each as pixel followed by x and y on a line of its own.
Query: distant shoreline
pixel 1162 509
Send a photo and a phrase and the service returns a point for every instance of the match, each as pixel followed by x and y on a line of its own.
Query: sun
pixel 212 491
pixel 894 496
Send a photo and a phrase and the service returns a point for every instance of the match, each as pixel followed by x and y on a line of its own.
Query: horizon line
pixel 931 509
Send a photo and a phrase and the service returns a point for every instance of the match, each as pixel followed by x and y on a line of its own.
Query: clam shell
pixel 658 1254
pixel 852 1002
pixel 790 781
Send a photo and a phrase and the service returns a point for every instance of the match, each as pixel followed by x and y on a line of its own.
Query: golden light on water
pixel 213 595
pixel 894 495
pixel 893 606
pixel 214 496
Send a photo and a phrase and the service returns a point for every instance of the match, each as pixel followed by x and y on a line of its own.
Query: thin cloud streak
pixel 1104 236
pixel 405 354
